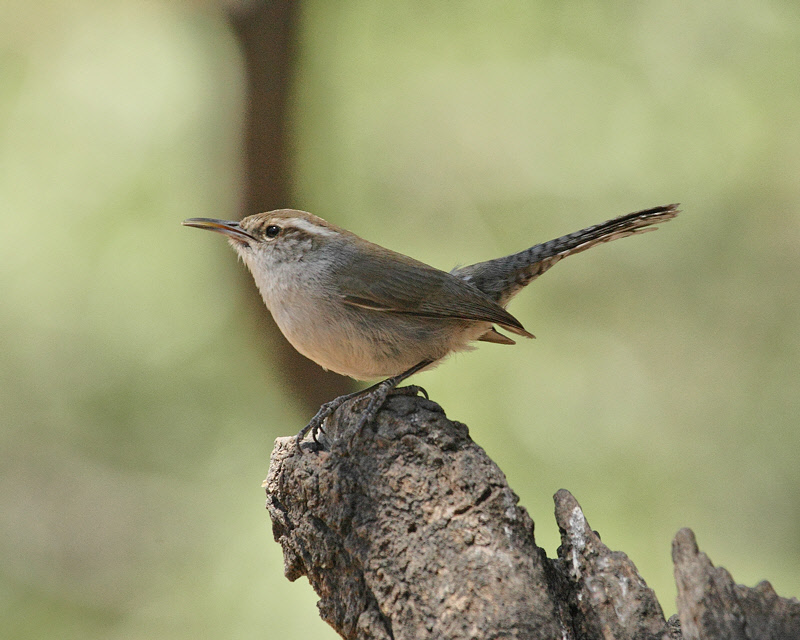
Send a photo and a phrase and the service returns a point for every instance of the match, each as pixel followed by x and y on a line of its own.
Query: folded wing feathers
pixel 476 292
pixel 415 288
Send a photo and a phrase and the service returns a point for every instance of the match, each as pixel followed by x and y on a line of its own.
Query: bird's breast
pixel 361 343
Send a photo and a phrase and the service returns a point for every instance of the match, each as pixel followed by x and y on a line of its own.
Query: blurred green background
pixel 137 413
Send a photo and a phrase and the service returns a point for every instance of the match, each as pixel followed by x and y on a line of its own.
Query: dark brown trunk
pixel 267 35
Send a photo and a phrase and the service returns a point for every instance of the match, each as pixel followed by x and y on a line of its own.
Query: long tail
pixel 501 279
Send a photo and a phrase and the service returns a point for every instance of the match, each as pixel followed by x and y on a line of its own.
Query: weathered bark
pixel 409 530
pixel 267 34
pixel 606 595
pixel 710 605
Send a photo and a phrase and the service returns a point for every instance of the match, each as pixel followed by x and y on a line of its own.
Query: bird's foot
pixel 318 421
pixel 377 395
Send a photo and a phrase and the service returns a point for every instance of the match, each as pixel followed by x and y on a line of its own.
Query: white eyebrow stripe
pixel 308 227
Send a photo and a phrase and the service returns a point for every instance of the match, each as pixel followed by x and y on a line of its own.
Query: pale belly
pixel 365 344
pixel 353 341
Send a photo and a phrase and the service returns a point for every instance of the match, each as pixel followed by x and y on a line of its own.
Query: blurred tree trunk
pixel 267 35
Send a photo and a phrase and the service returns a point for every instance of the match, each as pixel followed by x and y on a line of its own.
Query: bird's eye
pixel 272 230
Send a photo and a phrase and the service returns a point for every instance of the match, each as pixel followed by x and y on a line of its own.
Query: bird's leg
pixel 315 425
pixel 382 390
pixel 378 394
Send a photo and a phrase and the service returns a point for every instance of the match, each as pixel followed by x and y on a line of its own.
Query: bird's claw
pixel 377 395
pixel 317 423
pixel 409 390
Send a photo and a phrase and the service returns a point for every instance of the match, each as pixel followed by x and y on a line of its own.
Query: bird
pixel 365 311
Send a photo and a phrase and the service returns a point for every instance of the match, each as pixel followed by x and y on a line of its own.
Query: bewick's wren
pixel 364 311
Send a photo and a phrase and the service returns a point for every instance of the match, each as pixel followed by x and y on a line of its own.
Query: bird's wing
pixel 386 281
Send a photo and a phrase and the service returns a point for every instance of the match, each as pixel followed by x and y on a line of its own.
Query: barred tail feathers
pixel 502 278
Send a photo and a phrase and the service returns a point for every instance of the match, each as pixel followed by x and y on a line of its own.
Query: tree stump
pixel 408 530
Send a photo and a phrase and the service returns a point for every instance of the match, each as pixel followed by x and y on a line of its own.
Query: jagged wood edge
pixel 409 530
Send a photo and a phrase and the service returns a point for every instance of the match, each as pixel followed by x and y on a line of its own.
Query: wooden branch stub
pixel 608 596
pixel 408 530
pixel 711 605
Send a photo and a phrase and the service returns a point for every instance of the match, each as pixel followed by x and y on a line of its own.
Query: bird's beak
pixel 230 228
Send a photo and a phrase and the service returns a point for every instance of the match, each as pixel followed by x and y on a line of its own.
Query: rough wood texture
pixel 607 596
pixel 710 605
pixel 408 530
